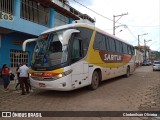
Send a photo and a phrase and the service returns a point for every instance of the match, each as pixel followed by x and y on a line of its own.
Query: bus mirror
pixel 27 41
pixel 67 34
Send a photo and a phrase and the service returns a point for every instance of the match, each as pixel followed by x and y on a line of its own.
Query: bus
pixel 75 55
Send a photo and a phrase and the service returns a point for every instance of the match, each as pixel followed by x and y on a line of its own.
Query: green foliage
pixel 158 56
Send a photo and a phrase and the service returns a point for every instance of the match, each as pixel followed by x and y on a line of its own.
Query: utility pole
pixel 114 22
pixel 139 40
pixel 145 49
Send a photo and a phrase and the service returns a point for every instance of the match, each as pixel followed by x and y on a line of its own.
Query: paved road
pixel 139 92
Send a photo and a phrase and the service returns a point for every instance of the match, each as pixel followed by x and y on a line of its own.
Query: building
pixel 146 52
pixel 138 57
pixel 24 19
pixel 155 55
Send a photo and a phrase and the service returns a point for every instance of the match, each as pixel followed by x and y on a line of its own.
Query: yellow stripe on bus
pixel 93 57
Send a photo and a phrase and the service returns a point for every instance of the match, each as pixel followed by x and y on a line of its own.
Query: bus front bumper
pixel 62 84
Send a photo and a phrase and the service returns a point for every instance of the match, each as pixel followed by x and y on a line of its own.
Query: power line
pixel 131 33
pixel 116 22
pixel 143 26
pixel 95 11
pixel 109 18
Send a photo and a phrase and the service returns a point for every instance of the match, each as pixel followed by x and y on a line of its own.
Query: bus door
pixel 78 65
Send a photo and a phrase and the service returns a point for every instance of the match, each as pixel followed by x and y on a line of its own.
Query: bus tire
pixel 128 72
pixel 95 80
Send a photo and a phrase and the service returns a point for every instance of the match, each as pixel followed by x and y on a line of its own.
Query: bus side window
pixel 129 50
pixel 77 51
pixel 132 51
pixel 99 42
pixel 112 44
pixel 125 48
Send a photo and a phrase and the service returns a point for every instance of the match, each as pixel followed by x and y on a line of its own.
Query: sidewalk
pixel 139 92
pixel 11 87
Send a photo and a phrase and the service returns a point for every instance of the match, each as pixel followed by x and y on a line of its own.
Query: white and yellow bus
pixel 72 56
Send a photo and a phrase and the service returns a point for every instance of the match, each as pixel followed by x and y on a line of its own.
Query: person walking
pixel 18 79
pixel 23 75
pixel 5 77
pixel 29 84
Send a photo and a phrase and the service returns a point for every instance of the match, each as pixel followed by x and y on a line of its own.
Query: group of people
pixel 22 77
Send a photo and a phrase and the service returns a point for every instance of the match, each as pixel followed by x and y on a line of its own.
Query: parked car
pixel 156 65
pixel 149 62
pixel 145 63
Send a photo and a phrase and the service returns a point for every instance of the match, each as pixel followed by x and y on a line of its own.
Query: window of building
pixel 6 6
pixel 99 42
pixel 18 57
pixel 60 19
pixel 35 12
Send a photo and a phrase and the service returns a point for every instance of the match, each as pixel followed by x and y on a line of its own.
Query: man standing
pixel 23 75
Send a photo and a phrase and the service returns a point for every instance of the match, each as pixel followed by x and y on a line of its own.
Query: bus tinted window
pixel 118 46
pixel 85 35
pixel 125 48
pixel 112 45
pixel 99 42
pixel 107 44
pixel 129 49
pixel 76 50
pixel 132 50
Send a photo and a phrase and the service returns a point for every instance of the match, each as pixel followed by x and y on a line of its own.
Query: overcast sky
pixel 143 17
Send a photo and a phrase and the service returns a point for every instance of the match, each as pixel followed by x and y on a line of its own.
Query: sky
pixel 143 17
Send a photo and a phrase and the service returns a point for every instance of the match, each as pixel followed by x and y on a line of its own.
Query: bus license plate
pixel 42 85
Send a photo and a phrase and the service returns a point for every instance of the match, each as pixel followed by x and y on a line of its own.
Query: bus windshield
pixel 49 51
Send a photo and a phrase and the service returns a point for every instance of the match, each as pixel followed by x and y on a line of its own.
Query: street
pixel 139 92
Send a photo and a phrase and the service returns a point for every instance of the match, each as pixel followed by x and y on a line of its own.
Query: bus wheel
pixel 95 81
pixel 128 72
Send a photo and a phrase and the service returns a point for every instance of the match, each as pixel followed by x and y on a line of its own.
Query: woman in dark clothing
pixel 5 77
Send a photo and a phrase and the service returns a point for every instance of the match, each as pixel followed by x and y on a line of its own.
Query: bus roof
pixel 83 25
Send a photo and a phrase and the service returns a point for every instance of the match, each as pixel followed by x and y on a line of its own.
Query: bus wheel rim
pixel 95 80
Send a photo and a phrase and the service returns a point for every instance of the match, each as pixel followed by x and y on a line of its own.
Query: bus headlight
pixel 64 74
pixel 60 75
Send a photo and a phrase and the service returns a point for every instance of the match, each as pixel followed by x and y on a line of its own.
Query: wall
pixel 7 44
pixel 25 26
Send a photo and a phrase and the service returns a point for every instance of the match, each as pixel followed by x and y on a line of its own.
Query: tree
pixel 158 56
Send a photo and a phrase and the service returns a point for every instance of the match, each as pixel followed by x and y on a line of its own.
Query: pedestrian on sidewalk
pixel 23 70
pixel 5 77
pixel 18 79
pixel 29 84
